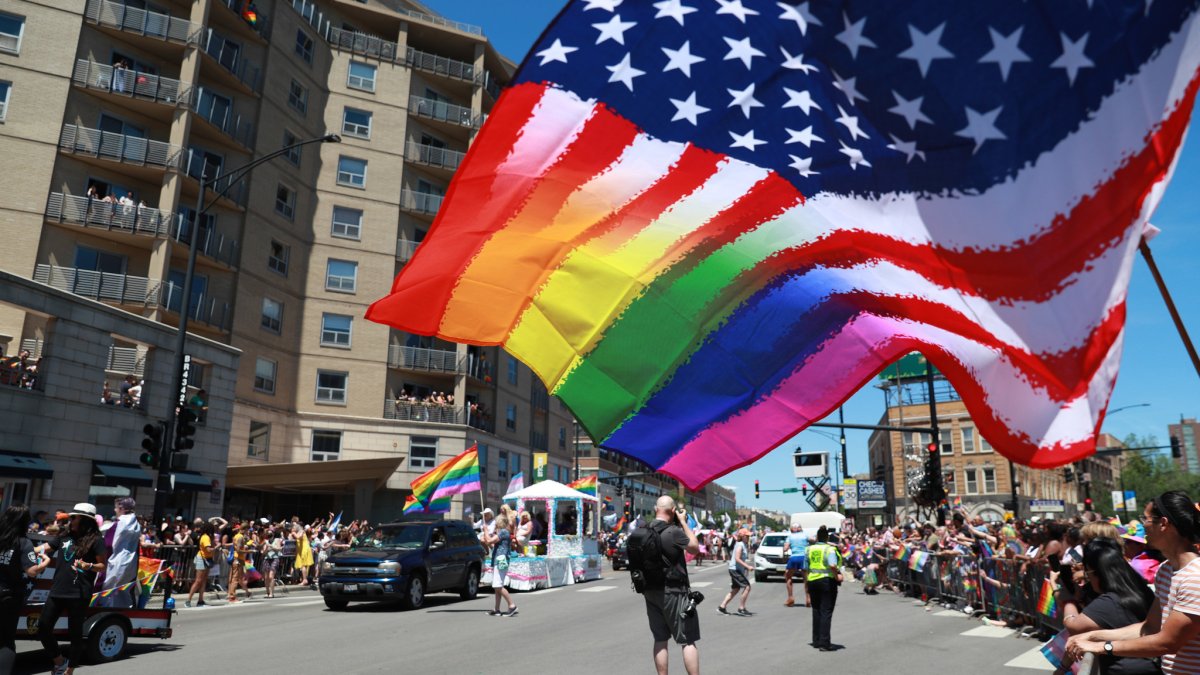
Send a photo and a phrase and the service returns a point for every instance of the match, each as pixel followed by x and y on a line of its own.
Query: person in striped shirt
pixel 1172 628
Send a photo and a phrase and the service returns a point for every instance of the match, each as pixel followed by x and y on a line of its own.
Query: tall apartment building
pixel 1186 434
pixel 971 469
pixel 135 100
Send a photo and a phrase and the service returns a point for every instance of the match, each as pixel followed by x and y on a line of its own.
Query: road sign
pixel 1047 506
pixel 850 494
pixel 790 490
pixel 1118 500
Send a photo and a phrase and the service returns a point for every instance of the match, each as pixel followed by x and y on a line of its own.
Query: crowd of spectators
pixel 20 370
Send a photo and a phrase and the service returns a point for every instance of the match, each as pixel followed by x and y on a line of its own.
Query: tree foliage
pixel 1150 473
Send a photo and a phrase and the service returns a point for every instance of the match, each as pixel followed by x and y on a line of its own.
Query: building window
pixel 948 482
pixel 356 123
pixel 989 480
pixel 260 440
pixel 510 417
pixel 968 439
pixel 984 446
pixel 278 260
pixel 352 172
pixel 304 46
pixel 562 437
pixel 422 452
pixel 331 386
pixel 272 315
pixel 514 466
pixel 293 155
pixel 326 446
pixel 285 201
pixel 12 27
pixel 946 438
pixel 502 464
pixel 347 222
pixel 264 375
pixel 341 276
pixel 361 76
pixel 512 369
pixel 5 91
pixel 972 481
pixel 335 330
pixel 298 97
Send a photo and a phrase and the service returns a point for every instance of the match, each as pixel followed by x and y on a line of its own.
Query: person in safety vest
pixel 824 577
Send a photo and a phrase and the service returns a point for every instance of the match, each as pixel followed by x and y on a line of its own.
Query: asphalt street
pixel 597 627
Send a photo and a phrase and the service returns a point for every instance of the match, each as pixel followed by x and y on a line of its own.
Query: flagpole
pixel 1144 247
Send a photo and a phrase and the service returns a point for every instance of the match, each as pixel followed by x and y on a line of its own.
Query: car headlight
pixel 326 567
pixel 759 560
pixel 390 567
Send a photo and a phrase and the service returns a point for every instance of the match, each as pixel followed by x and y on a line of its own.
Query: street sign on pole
pixel 1118 500
pixel 850 494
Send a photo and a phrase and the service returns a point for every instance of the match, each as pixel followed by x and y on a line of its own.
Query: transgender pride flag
pixel 706 224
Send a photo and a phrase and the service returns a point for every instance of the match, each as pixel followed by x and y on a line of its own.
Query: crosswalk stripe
pixel 1031 659
pixel 989 632
pixel 702 584
pixel 597 589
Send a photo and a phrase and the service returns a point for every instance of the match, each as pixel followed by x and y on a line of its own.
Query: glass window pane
pixel 347 222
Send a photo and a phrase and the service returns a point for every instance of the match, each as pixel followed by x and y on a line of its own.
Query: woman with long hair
pixel 18 563
pixel 304 555
pixel 1172 626
pixel 272 546
pixel 79 555
pixel 501 543
pixel 203 562
pixel 1120 598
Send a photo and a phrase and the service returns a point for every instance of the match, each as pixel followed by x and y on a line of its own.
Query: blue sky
pixel 1155 368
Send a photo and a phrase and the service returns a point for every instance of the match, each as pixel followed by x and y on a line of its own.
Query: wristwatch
pixel 1108 648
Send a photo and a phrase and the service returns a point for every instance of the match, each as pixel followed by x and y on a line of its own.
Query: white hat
pixel 264 521
pixel 84 509
pixel 489 510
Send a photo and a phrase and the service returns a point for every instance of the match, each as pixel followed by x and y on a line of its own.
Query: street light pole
pixel 162 483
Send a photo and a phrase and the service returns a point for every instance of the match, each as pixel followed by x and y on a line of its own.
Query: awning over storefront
pixel 190 480
pixel 336 476
pixel 24 465
pixel 127 475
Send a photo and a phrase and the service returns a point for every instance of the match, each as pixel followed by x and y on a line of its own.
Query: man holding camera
pixel 670 606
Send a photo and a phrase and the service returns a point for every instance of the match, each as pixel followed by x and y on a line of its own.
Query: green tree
pixel 1150 473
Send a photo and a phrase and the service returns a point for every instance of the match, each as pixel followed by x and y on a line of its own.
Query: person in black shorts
pixel 666 607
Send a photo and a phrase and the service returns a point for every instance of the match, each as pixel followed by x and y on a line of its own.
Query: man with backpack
pixel 658 569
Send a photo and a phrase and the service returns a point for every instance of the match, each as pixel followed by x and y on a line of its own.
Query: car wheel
pixel 107 640
pixel 336 605
pixel 760 576
pixel 471 589
pixel 415 598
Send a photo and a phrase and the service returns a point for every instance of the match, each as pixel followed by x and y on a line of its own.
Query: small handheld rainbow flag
pixel 917 562
pixel 586 485
pixel 1115 521
pixel 1046 604
pixel 958 502
pixel 903 553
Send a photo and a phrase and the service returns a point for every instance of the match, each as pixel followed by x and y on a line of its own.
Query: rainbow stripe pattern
pixel 1046 603
pixel 699 280
pixel 454 476
pixel 918 560
pixel 586 485
pixel 412 505
pixel 903 553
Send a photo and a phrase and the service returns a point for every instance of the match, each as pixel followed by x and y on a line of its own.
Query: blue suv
pixel 405 562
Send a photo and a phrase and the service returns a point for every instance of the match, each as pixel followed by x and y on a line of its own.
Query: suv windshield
pixel 775 540
pixel 402 537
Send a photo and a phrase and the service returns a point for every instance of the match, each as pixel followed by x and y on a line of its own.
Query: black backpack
pixel 647 568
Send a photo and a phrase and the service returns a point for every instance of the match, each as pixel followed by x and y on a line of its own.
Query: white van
pixel 813 520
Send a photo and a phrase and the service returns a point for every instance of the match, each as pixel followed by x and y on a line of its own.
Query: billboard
pixel 872 494
pixel 811 464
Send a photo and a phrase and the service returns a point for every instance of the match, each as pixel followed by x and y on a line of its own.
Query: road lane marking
pixel 989 632
pixel 702 584
pixel 597 589
pixel 1031 659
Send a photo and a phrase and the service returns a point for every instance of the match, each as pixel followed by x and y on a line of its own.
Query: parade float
pixel 564 552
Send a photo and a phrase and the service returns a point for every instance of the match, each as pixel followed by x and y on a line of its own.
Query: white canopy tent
pixel 549 489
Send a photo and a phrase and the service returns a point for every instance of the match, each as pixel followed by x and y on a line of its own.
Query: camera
pixel 694 598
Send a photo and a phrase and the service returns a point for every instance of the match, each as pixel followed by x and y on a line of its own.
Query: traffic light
pixel 1176 448
pixel 152 444
pixel 804 490
pixel 932 448
pixel 1068 475
pixel 628 510
pixel 185 428
pixel 1087 504
pixel 756 489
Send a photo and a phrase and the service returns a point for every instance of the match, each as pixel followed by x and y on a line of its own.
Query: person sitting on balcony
pixel 199 405
pixel 135 394
pixel 126 386
pixel 106 395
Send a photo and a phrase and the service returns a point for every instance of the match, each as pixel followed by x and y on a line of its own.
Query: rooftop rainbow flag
pixel 586 485
pixel 454 476
pixel 706 226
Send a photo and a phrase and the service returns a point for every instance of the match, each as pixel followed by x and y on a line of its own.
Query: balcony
pixel 88 212
pixel 127 360
pixel 212 243
pixel 406 249
pixel 132 84
pixel 362 43
pixel 417 411
pixel 235 197
pixel 442 111
pixel 229 56
pixel 429 155
pixel 217 111
pixel 421 358
pixel 119 147
pixel 119 288
pixel 260 28
pixel 491 86
pixel 141 22
pixel 202 309
pixel 440 65
pixel 437 20
pixel 420 202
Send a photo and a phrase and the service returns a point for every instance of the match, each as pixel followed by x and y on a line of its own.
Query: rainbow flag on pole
pixel 1046 604
pixel 454 476
pixel 412 505
pixel 586 485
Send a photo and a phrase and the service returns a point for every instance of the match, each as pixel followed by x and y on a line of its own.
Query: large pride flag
pixel 454 476
pixel 586 485
pixel 706 225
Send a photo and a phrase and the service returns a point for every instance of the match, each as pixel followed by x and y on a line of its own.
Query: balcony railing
pixel 439 21
pixel 229 55
pixel 441 110
pixel 151 24
pixel 193 162
pixel 119 147
pixel 406 249
pixel 415 411
pixel 202 309
pixel 491 86
pixel 440 65
pixel 131 83
pixel 212 243
pixel 362 43
pixel 89 212
pixel 422 358
pixel 128 360
pixel 122 288
pixel 421 202
pixel 223 117
pixel 430 155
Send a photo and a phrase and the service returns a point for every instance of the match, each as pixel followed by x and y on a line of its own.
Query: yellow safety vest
pixel 816 562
